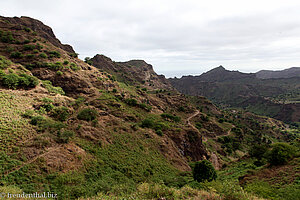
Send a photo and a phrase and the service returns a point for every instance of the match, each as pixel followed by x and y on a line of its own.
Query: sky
pixel 178 37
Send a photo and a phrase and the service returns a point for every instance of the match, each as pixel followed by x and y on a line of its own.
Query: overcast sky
pixel 176 37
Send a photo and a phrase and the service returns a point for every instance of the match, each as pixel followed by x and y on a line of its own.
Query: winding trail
pixel 51 149
pixel 204 139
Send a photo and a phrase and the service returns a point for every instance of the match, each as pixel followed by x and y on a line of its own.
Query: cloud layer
pixel 176 37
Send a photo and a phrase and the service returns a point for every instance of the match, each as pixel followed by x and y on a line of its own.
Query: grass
pixel 13 127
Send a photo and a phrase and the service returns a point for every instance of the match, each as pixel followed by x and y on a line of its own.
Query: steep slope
pixel 271 97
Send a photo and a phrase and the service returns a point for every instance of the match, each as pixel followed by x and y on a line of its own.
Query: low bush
pixel 51 89
pixel 4 63
pixel 74 67
pixel 145 107
pixel 87 114
pixel 171 117
pixel 59 73
pixel 43 55
pixel 16 54
pixel 65 136
pixel 60 113
pixel 54 54
pixel 29 47
pixel 11 80
pixel 6 37
pixel 131 102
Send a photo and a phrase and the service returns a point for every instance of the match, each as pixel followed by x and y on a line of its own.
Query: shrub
pixel 29 56
pixel 74 67
pixel 198 125
pixel 36 51
pixel 51 89
pixel 258 151
pixel 48 107
pixel 2 74
pixel 114 90
pixel 43 55
pixel 59 73
pixel 88 60
pixel 281 153
pixel 6 37
pixel 145 107
pixel 204 171
pixel 16 54
pixel 74 55
pixel 65 136
pixel 87 114
pixel 144 89
pixel 28 30
pixel 171 117
pixel 60 113
pixel 11 80
pixel 131 102
pixel 26 41
pixel 221 120
pixel 147 123
pixel 29 47
pixel 4 63
pixel 29 81
pixel 66 62
pixel 159 132
pixel 54 54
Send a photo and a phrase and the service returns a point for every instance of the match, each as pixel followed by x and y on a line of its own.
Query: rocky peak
pixel 41 29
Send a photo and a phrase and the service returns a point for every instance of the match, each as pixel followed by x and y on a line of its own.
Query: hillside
pixel 277 97
pixel 287 73
pixel 84 130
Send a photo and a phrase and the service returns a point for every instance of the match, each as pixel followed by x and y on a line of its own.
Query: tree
pixel 204 170
pixel 281 153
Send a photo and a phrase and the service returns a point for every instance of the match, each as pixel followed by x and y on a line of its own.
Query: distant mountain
pixel 275 97
pixel 287 73
pixel 221 74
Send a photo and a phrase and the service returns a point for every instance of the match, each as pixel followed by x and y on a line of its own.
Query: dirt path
pixel 51 149
pixel 204 139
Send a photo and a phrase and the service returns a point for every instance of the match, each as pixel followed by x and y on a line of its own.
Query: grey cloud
pixel 173 35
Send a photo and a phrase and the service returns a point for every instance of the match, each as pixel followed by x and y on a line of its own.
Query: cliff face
pixel 134 72
pixel 41 30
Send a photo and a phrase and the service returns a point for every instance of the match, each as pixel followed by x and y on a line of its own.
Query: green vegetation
pixel 60 113
pixel 51 89
pixel 281 153
pixel 43 55
pixel 74 67
pixel 87 114
pixel 54 54
pixel 171 117
pixel 4 63
pixel 88 60
pixel 6 37
pixel 204 171
pixel 16 54
pixel 14 81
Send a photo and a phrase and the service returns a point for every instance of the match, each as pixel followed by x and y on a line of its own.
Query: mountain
pixel 134 72
pixel 287 73
pixel 114 130
pixel 235 89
